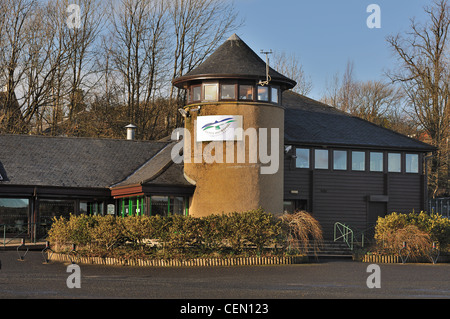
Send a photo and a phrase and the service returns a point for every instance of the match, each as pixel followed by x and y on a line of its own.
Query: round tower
pixel 234 132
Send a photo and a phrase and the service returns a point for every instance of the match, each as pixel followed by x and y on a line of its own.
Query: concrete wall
pixel 235 187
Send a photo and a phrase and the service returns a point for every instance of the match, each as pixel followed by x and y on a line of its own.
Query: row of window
pixel 357 160
pixel 159 205
pixel 213 92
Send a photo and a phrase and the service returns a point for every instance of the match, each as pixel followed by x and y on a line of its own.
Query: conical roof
pixel 234 59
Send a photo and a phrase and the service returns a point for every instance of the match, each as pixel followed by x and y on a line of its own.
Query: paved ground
pixel 32 278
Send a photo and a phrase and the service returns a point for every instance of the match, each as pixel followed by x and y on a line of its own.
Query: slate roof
pixel 71 162
pixel 311 122
pixel 159 170
pixel 233 59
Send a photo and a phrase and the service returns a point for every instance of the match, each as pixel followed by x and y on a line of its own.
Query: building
pixel 336 166
pixel 345 169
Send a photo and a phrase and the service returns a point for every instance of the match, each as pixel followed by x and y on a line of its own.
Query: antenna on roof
pixel 268 79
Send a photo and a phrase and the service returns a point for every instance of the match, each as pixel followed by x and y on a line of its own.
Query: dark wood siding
pixel 405 193
pixel 346 196
pixel 343 197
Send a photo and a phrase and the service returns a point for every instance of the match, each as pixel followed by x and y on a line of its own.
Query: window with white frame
pixel 210 92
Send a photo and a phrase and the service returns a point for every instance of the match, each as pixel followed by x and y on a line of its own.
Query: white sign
pixel 219 128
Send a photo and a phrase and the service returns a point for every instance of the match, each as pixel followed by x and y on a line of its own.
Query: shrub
pixel 436 226
pixel 262 229
pixel 108 231
pixel 183 232
pixel 214 232
pixel 236 231
pixel 418 242
pixel 250 232
pixel 136 229
pixel 300 229
pixel 58 234
pixel 79 228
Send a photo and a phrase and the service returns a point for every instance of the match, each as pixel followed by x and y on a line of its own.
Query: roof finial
pixel 234 37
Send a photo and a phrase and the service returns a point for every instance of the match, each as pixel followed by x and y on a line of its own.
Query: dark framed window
pixel 228 92
pixel 245 92
pixel 321 159
pixel 14 214
pixel 178 206
pixel 340 160
pixel 302 160
pixel 376 161
pixel 358 161
pixel 196 93
pixel 412 163
pixel 274 95
pixel 263 93
pixel 394 162
pixel 168 205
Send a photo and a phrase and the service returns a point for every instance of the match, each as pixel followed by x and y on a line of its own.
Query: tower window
pixel 196 93
pixel 245 92
pixel 210 92
pixel 227 92
pixel 274 95
pixel 263 93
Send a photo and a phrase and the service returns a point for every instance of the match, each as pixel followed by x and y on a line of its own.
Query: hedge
pixel 248 233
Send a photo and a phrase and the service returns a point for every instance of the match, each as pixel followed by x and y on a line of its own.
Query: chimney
pixel 131 129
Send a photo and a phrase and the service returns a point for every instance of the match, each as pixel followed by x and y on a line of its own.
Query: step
pixel 330 249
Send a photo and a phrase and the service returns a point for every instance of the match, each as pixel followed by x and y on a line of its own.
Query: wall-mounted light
pixel 184 113
pixel 197 109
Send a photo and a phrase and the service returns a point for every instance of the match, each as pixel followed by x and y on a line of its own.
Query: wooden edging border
pixel 195 262
pixel 395 259
pixel 380 259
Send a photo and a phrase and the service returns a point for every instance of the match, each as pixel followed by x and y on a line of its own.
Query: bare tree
pixel 139 35
pixel 15 24
pixel 341 93
pixel 290 66
pixel 423 72
pixel 199 26
pixel 81 53
pixel 376 101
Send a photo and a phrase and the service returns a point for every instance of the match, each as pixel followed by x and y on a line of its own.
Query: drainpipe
pixel 425 159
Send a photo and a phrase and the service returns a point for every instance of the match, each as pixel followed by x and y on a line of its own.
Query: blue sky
pixel 325 34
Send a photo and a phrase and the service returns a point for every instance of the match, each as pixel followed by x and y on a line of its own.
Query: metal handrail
pixel 348 233
pixel 28 229
pixel 345 233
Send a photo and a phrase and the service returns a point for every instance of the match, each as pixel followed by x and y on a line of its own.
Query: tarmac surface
pixel 31 278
